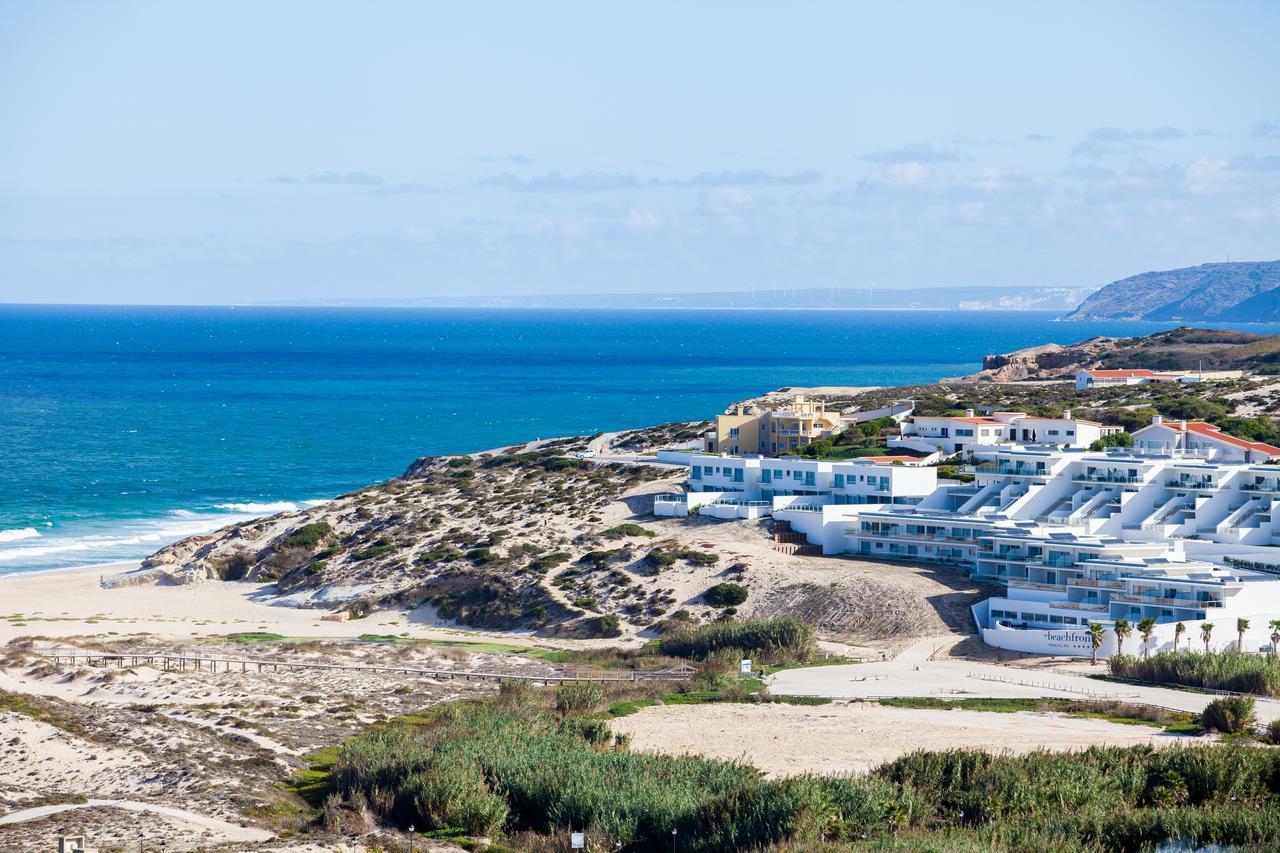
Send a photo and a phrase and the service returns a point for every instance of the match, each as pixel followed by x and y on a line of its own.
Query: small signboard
pixel 746 665
pixel 578 840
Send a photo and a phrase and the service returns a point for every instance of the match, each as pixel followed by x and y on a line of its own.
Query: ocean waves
pixel 98 541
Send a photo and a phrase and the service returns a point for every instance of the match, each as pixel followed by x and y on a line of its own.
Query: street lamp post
pixel 140 836
pixel 410 838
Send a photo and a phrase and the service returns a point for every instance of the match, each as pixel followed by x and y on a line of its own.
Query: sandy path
pixel 227 831
pixel 788 739
pixel 912 674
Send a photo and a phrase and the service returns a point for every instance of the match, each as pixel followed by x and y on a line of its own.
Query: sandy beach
pixel 71 602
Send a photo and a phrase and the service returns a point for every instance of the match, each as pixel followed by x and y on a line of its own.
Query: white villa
pixel 1098 378
pixel 967 433
pixel 1075 537
pixel 724 486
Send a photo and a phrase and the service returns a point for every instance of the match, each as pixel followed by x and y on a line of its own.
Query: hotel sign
pixel 1074 640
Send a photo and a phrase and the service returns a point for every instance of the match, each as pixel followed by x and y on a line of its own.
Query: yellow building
pixel 771 431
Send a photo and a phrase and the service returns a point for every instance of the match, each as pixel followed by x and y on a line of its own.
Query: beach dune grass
pixel 1227 670
pixel 495 768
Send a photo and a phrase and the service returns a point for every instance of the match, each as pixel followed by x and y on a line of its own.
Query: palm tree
pixel 1096 635
pixel 1122 633
pixel 1178 631
pixel 1274 625
pixel 1242 625
pixel 1206 631
pixel 1146 626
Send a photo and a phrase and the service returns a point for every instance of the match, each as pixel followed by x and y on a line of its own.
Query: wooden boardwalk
pixel 199 663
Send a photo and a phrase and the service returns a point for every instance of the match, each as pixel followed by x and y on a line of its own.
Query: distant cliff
pixel 1178 349
pixel 1239 292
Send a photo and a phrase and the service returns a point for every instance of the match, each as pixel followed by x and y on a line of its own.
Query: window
pixel 696 473
pixel 839 481
pixel 964 432
pixel 766 476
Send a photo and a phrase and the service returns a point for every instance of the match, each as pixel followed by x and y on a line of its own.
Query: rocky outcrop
pixel 1178 349
pixel 1048 361
pixel 1240 292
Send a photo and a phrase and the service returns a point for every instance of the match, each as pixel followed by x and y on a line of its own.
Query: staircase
pixel 788 541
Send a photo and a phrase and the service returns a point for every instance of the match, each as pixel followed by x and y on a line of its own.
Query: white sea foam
pixel 87 543
pixel 260 508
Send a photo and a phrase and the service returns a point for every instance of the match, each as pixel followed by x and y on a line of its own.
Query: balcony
pixel 1161 601
pixel 1191 485
pixel 1105 478
pixel 1273 488
pixel 1007 556
pixel 1079 605
pixel 1026 584
pixel 1008 470
pixel 1095 584
pixel 1055 564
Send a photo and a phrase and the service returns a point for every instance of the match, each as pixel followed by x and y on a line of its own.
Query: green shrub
pixel 725 595
pixel 578 699
pixel 1229 715
pixel 377 549
pixel 608 625
pixel 1227 670
pixel 628 529
pixel 307 536
pixel 1273 732
pixel 480 556
pixel 768 640
pixel 549 561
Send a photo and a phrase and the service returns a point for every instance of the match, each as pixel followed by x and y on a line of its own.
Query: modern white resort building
pixel 1182 528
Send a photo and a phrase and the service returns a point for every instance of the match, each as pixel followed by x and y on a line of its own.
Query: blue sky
pixel 232 151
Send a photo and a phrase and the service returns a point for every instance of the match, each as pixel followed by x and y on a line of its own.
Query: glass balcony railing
pixel 1105 478
pixel 1190 484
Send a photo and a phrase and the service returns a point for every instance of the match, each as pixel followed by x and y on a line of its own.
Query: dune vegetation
pixel 526 766
pixel 1229 670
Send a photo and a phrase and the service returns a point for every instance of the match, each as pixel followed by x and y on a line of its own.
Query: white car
pixel 586 454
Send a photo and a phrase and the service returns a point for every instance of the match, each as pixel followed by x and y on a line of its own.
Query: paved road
pixel 913 674
pixel 229 831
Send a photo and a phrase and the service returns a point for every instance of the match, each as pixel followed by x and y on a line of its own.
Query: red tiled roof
pixel 889 460
pixel 1211 431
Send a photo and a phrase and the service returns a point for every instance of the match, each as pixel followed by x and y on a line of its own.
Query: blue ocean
pixel 124 428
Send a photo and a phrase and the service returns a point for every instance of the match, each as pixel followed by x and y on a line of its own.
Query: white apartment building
pixel 727 486
pixel 1075 537
pixel 967 433
pixel 1098 378
pixel 1201 438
